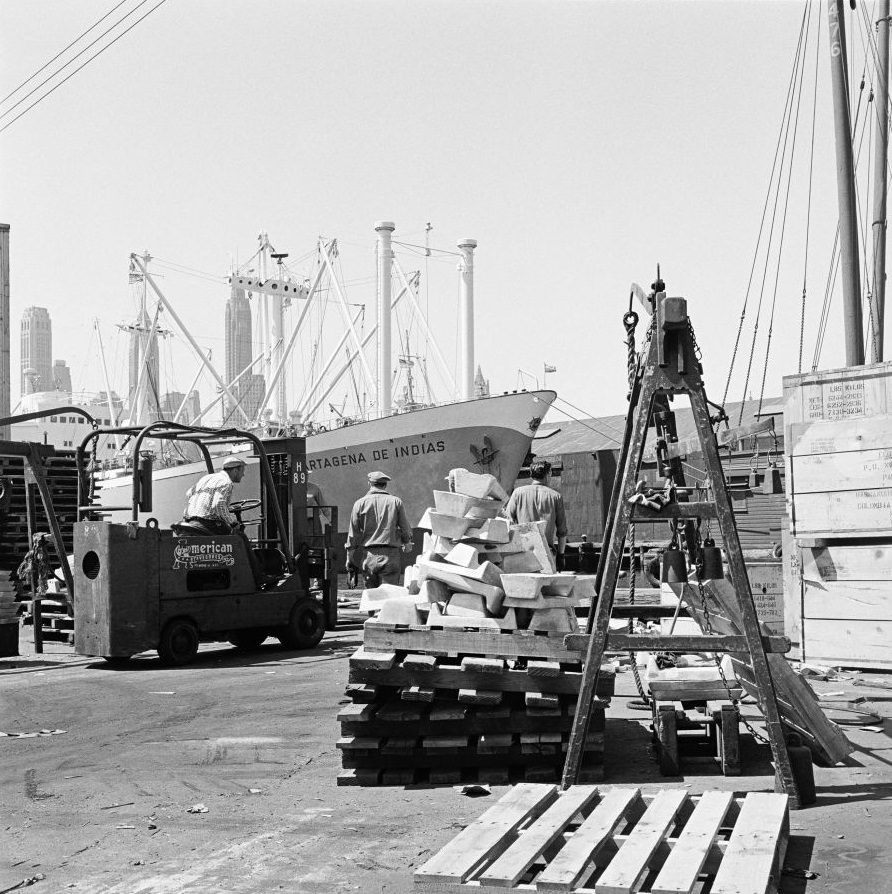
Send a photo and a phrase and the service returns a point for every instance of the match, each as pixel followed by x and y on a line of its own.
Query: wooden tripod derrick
pixel 671 367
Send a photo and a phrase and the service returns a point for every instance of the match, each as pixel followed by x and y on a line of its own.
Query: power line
pixel 99 53
pixel 61 52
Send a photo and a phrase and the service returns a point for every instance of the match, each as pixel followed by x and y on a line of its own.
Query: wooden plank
pixel 848 601
pixel 494 643
pixel 487 837
pixel 727 723
pixel 452 676
pixel 633 857
pixel 673 511
pixel 840 513
pixel 847 563
pixel 862 470
pixel 576 857
pixel 365 659
pixel 848 436
pixel 754 857
pixel 848 643
pixel 654 642
pixel 679 873
pixel 511 865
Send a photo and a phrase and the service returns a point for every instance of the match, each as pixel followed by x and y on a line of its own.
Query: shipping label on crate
pixel 767 584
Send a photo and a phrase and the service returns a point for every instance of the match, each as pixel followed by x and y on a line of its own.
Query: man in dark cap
pixel 538 502
pixel 378 524
pixel 207 501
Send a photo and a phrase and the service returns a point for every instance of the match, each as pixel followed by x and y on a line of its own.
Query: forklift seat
pixel 271 561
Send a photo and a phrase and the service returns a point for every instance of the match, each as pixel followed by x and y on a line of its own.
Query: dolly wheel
pixel 306 625
pixel 179 642
pixel 248 640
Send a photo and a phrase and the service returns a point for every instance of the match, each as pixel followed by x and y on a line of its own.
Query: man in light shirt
pixel 207 501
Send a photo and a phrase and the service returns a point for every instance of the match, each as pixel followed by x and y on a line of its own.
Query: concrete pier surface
pixel 247 742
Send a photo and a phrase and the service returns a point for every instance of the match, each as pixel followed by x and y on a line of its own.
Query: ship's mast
pixel 845 182
pixel 880 184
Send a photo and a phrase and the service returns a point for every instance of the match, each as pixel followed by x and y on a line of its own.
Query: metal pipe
pixel 466 317
pixel 880 184
pixel 845 185
pixel 384 229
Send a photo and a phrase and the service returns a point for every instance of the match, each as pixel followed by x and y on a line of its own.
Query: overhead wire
pixel 785 127
pixel 811 167
pixel 780 247
pixel 61 52
pixel 762 222
pixel 55 87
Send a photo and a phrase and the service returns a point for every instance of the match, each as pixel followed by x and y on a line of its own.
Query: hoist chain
pixel 707 622
pixel 631 628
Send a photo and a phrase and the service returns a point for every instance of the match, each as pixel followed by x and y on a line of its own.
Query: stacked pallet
pixel 449 705
pixel 463 675
pixel 9 618
pixel 61 476
pixel 8 598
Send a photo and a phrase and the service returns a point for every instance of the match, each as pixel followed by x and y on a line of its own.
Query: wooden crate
pixel 536 839
pixel 843 597
pixel 838 444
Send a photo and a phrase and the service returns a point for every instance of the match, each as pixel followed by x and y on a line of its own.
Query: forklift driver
pixel 207 501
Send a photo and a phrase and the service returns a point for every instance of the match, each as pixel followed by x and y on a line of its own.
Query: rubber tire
pixel 116 660
pixel 179 642
pixel 306 626
pixel 248 640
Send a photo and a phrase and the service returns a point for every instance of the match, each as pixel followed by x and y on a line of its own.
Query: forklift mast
pixel 288 465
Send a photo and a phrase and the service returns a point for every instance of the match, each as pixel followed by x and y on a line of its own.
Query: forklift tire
pixel 248 640
pixel 306 625
pixel 179 642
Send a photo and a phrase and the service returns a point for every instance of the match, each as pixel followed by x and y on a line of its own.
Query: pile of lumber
pixel 449 705
pixel 8 599
pixel 463 675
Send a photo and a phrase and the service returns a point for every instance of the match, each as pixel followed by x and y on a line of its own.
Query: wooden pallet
pixel 395 717
pixel 544 774
pixel 535 839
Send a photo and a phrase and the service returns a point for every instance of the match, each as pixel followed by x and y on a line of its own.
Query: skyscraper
pixel 37 348
pixel 61 376
pixel 239 353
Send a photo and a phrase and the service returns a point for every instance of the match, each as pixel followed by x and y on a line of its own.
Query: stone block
pixel 476 485
pixel 521 563
pixel 465 506
pixel 434 591
pixel 467 605
pixel 464 554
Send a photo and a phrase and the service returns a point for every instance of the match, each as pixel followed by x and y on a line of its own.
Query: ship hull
pixel 417 449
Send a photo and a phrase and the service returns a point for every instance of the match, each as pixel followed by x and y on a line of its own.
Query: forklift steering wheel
pixel 237 507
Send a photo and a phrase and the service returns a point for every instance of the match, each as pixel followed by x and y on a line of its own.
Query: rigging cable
pixel 762 223
pixel 87 62
pixel 61 52
pixel 780 247
pixel 811 166
pixel 788 118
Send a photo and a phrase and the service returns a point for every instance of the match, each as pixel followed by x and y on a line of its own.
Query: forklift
pixel 139 587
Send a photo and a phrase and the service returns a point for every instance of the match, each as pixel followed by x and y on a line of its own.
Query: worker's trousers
pixel 385 561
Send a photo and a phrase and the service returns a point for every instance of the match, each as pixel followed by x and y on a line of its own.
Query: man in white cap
pixel 379 525
pixel 207 501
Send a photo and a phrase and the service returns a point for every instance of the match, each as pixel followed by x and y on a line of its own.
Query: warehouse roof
pixel 560 437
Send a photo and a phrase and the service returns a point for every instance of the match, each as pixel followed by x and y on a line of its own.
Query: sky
pixel 580 143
